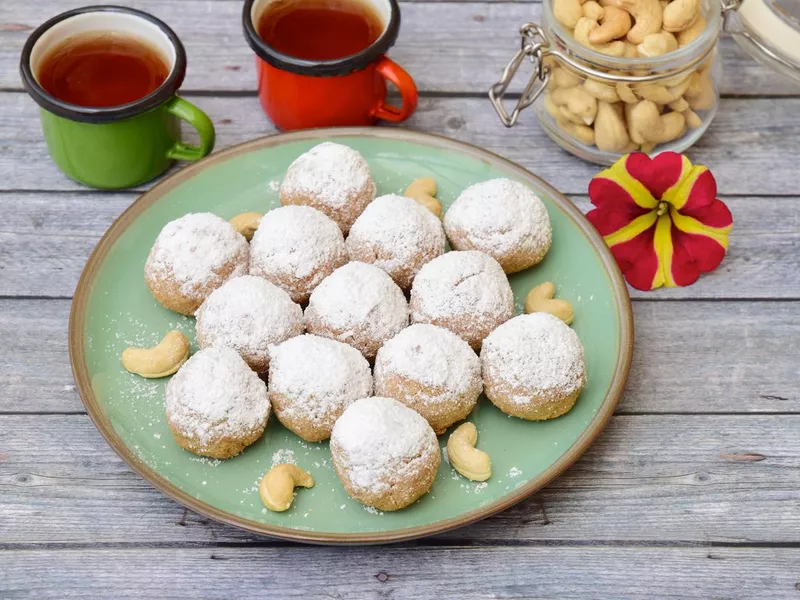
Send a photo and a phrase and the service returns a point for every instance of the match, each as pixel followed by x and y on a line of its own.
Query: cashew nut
pixel 578 102
pixel 601 91
pixel 625 93
pixel 653 127
pixel 691 33
pixel 246 223
pixel 277 486
pixel 631 51
pixel 679 105
pixel 159 361
pixel 654 92
pixel 693 120
pixel 540 299
pixel 680 14
pixel 610 134
pixel 564 78
pixel 614 25
pixel 593 10
pixel 464 457
pixel 567 12
pixel 582 133
pixel 656 44
pixel 552 108
pixel 648 15
pixel 700 92
pixel 581 34
pixel 423 190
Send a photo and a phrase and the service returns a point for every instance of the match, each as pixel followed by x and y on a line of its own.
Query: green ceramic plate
pixel 113 309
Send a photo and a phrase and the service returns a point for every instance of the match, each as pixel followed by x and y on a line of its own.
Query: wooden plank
pixel 447 47
pixel 692 357
pixel 748 139
pixel 647 479
pixel 404 573
pixel 46 238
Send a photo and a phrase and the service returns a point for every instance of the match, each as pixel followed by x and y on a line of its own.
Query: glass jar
pixel 599 107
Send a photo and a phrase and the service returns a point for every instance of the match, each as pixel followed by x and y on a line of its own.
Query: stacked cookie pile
pixel 366 330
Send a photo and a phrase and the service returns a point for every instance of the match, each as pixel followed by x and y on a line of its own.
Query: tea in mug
pixel 101 70
pixel 319 29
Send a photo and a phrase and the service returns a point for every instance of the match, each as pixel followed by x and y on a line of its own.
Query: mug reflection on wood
pixel 302 83
pixel 93 138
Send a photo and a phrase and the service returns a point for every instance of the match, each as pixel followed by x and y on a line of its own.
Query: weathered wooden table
pixel 692 491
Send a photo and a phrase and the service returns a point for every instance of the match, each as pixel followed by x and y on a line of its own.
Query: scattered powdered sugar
pixel 331 173
pixel 358 302
pixel 378 440
pixel 248 314
pixel 432 356
pixel 320 377
pixel 537 353
pixel 469 285
pixel 215 395
pixel 192 250
pixel 397 234
pixel 292 247
pixel 284 456
pixel 514 472
pixel 499 217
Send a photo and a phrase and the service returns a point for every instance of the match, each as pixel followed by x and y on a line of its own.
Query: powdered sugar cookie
pixel 465 292
pixel 431 370
pixel 312 380
pixel 397 234
pixel 191 257
pixel 296 247
pixel 533 367
pixel 385 454
pixel 332 178
pixel 357 304
pixel 216 406
pixel 248 314
pixel 503 218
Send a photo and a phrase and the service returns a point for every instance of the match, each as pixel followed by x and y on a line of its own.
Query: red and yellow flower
pixel 661 218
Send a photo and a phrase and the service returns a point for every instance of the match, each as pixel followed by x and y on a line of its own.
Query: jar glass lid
pixel 768 30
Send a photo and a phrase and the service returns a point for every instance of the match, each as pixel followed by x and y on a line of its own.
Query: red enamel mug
pixel 298 93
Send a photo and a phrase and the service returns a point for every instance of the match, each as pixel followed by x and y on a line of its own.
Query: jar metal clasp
pixel 534 47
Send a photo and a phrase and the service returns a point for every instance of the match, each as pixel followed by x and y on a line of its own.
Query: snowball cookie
pixel 385 454
pixel 248 314
pixel 296 247
pixel 357 304
pixel 503 218
pixel 431 370
pixel 216 406
pixel 533 367
pixel 332 178
pixel 312 380
pixel 465 292
pixel 193 256
pixel 397 234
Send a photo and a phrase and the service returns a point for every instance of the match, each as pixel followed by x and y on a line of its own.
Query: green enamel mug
pixel 117 146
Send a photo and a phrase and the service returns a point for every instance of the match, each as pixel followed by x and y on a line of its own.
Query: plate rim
pixel 77 321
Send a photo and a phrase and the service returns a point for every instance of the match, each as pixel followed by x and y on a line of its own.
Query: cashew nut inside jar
pixel 618 76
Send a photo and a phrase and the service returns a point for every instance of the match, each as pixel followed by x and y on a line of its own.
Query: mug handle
pixel 393 72
pixel 188 112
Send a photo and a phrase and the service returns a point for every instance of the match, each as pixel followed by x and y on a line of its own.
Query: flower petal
pixel 693 255
pixel 618 187
pixel 662 241
pixel 694 226
pixel 637 259
pixel 660 173
pixel 696 191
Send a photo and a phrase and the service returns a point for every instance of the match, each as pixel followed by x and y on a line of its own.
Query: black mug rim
pixel 106 114
pixel 321 68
